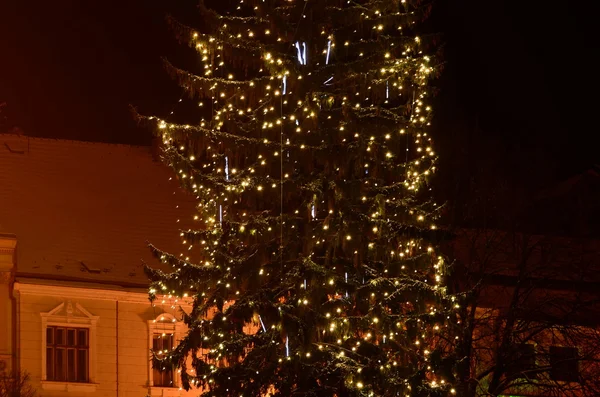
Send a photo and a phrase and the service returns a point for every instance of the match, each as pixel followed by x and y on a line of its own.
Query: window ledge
pixel 69 386
pixel 164 391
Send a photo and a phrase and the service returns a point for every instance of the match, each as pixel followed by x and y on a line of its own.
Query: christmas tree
pixel 313 270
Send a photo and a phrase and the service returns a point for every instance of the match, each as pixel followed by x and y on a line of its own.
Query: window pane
pixel 61 365
pixel 71 337
pixel 163 342
pixel 162 376
pixel 59 334
pixel 523 364
pixel 49 363
pixel 160 342
pixel 71 375
pixel 82 364
pixel 564 363
pixel 168 378
pixel 64 361
pixel 157 377
pixel 82 339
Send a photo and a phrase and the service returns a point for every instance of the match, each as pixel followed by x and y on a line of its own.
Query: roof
pixel 499 253
pixel 85 211
pixel 586 178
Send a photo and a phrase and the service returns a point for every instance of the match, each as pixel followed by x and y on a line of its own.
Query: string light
pixel 311 177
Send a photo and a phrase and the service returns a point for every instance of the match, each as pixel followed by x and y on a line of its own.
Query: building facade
pixel 75 219
pixel 531 317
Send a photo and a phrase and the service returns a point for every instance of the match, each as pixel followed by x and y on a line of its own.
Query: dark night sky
pixel 519 72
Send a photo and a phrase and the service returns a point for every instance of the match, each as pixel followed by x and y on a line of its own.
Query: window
pixel 161 344
pixel 164 333
pixel 67 354
pixel 523 364
pixel 68 349
pixel 564 364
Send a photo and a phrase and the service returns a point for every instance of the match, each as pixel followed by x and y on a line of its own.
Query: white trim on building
pixel 65 315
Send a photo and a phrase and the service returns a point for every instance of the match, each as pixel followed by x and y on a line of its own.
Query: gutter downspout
pixel 16 309
pixel 117 331
pixel 8 320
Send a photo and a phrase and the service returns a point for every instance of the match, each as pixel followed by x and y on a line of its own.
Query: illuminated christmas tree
pixel 313 269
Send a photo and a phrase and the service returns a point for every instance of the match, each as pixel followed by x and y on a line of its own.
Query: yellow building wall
pixel 132 344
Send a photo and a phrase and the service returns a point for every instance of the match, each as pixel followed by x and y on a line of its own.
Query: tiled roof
pixel 84 211
pixel 585 179
pixel 501 253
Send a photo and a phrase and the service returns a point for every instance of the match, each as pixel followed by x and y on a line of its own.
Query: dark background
pixel 518 88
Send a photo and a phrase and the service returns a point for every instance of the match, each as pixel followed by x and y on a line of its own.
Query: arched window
pixel 165 331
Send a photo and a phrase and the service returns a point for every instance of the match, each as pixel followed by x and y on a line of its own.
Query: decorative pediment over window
pixel 165 332
pixel 69 326
pixel 69 313
pixel 165 318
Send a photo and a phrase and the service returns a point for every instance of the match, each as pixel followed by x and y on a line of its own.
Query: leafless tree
pixel 17 385
pixel 530 294
pixel 528 320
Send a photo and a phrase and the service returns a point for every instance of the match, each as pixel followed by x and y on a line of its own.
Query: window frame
pixel 84 319
pixel 163 323
pixel 77 346
pixel 518 367
pixel 170 341
pixel 575 362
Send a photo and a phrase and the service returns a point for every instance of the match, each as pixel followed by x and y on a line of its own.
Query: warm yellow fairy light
pixel 280 134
